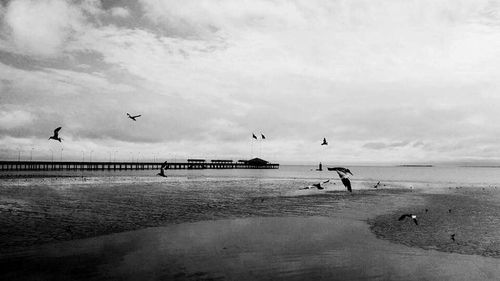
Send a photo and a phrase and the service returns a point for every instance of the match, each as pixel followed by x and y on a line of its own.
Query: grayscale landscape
pixel 249 140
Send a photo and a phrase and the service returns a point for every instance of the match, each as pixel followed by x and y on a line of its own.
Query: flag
pixel 254 136
pixel 263 137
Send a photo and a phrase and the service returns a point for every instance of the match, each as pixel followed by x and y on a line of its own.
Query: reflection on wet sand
pixel 291 248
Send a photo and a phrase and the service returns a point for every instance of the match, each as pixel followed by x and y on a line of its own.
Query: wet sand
pixel 33 214
pixel 221 231
pixel 469 213
pixel 284 248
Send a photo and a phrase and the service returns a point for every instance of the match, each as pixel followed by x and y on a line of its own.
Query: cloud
pixel 10 119
pixel 43 27
pixel 384 145
pixel 387 80
pixel 120 12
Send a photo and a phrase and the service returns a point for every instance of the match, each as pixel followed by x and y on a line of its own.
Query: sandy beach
pixel 187 230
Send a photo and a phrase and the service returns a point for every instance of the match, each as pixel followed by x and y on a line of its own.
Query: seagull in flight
pixel 345 180
pixel 452 237
pixel 316 185
pixel 133 117
pixel 340 169
pixel 376 186
pixel 56 135
pixel 413 217
pixel 324 142
pixel 162 170
pixel 344 177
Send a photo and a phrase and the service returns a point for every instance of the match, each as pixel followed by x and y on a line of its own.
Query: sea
pixel 409 176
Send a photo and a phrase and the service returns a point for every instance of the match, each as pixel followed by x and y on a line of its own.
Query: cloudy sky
pixel 383 81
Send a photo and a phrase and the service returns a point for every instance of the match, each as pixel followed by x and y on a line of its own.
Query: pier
pixel 255 163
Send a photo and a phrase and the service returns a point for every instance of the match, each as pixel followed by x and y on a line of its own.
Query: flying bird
pixel 413 217
pixel 340 169
pixel 345 180
pixel 316 185
pixel 56 135
pixel 452 237
pixel 254 136
pixel 262 135
pixel 133 117
pixel 375 186
pixel 162 170
pixel 324 142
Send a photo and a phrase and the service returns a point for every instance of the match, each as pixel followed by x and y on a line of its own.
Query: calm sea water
pixel 364 175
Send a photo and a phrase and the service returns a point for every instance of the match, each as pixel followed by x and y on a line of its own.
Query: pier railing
pixel 117 166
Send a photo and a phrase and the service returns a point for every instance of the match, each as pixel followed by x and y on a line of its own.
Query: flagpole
pixel 262 138
pixel 254 137
pixel 251 150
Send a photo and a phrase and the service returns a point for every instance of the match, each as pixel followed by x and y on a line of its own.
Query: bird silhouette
pixel 162 170
pixel 56 135
pixel 345 180
pixel 376 186
pixel 316 185
pixel 340 169
pixel 324 142
pixel 413 217
pixel 262 136
pixel 452 237
pixel 133 117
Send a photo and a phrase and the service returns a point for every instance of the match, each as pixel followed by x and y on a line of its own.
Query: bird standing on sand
pixel 413 217
pixel 133 117
pixel 162 170
pixel 56 135
pixel 324 142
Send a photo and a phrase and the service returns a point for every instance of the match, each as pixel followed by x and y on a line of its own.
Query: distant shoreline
pixel 415 165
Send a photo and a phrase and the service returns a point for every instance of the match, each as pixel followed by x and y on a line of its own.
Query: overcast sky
pixel 384 81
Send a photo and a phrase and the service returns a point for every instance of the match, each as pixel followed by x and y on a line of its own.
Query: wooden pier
pixel 255 163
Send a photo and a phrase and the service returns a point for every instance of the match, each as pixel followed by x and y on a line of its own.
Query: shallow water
pixel 426 176
pixel 298 248
pixel 36 214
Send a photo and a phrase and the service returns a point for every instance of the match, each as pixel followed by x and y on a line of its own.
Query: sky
pixel 390 81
